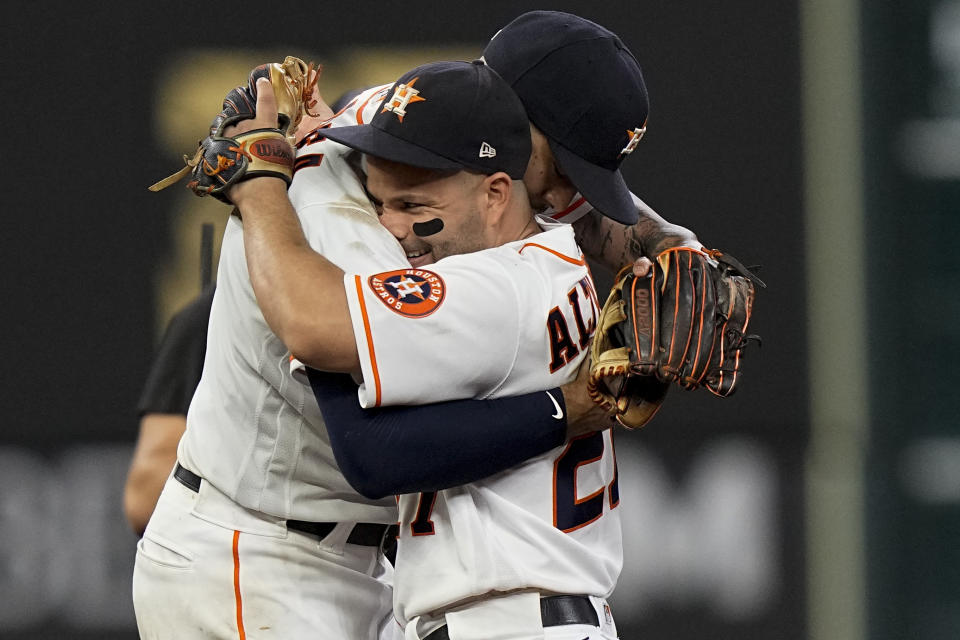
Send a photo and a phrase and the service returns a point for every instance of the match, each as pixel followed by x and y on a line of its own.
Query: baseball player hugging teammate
pixel 406 253
pixel 499 555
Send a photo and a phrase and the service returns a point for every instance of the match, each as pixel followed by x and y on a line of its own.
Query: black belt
pixel 367 534
pixel 555 611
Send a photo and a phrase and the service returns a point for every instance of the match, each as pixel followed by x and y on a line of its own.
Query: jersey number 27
pixel 570 512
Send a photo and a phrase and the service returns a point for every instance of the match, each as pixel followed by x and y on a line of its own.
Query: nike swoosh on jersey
pixel 559 413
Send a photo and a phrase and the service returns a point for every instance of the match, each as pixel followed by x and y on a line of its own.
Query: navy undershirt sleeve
pixel 407 449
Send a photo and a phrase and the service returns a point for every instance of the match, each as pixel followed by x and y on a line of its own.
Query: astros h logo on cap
pixel 635 137
pixel 403 95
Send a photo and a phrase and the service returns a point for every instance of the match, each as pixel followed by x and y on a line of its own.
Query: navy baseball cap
pixel 584 90
pixel 447 115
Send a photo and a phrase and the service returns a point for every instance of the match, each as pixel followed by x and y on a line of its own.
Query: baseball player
pixel 541 543
pixel 250 416
pixel 257 531
pixel 466 568
pixel 166 397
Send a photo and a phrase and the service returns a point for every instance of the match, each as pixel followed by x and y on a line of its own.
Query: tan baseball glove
pixel 221 161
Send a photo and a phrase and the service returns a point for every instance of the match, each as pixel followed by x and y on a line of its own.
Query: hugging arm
pixel 615 245
pixel 407 449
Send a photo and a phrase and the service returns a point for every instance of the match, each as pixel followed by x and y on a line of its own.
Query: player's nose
pixel 396 223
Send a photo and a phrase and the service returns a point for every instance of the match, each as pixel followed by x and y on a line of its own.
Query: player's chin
pixel 421 260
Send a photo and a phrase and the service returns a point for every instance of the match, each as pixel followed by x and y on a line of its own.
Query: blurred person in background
pixel 163 405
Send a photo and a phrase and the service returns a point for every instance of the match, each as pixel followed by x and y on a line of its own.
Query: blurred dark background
pixel 810 137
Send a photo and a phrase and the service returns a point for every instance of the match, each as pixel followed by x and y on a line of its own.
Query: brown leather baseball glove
pixel 684 322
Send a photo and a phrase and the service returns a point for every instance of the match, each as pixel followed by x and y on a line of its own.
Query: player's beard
pixel 468 237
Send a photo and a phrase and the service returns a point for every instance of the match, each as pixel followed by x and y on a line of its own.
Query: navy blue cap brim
pixel 604 189
pixel 378 143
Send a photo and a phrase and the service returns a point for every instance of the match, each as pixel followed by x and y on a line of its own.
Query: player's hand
pixel 266 116
pixel 310 123
pixel 317 112
pixel 583 414
pixel 642 266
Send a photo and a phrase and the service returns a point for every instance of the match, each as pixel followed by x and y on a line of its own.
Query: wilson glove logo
pixel 414 293
pixel 272 150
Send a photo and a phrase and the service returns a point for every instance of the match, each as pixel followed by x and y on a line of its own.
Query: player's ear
pixel 497 190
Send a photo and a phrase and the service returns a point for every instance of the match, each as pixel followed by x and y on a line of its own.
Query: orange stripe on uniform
pixel 236 584
pixel 366 102
pixel 366 328
pixel 579 261
pixel 343 109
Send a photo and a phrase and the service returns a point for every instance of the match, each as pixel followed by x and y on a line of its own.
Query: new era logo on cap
pixel 486 151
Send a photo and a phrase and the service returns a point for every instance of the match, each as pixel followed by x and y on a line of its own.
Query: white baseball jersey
pixel 503 321
pixel 254 431
pixel 221 558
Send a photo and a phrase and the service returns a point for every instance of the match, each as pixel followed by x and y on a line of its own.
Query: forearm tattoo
pixel 615 245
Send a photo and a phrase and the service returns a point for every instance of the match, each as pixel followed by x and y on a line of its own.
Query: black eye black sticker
pixel 428 228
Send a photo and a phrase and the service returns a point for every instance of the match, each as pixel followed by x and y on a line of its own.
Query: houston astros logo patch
pixel 414 293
